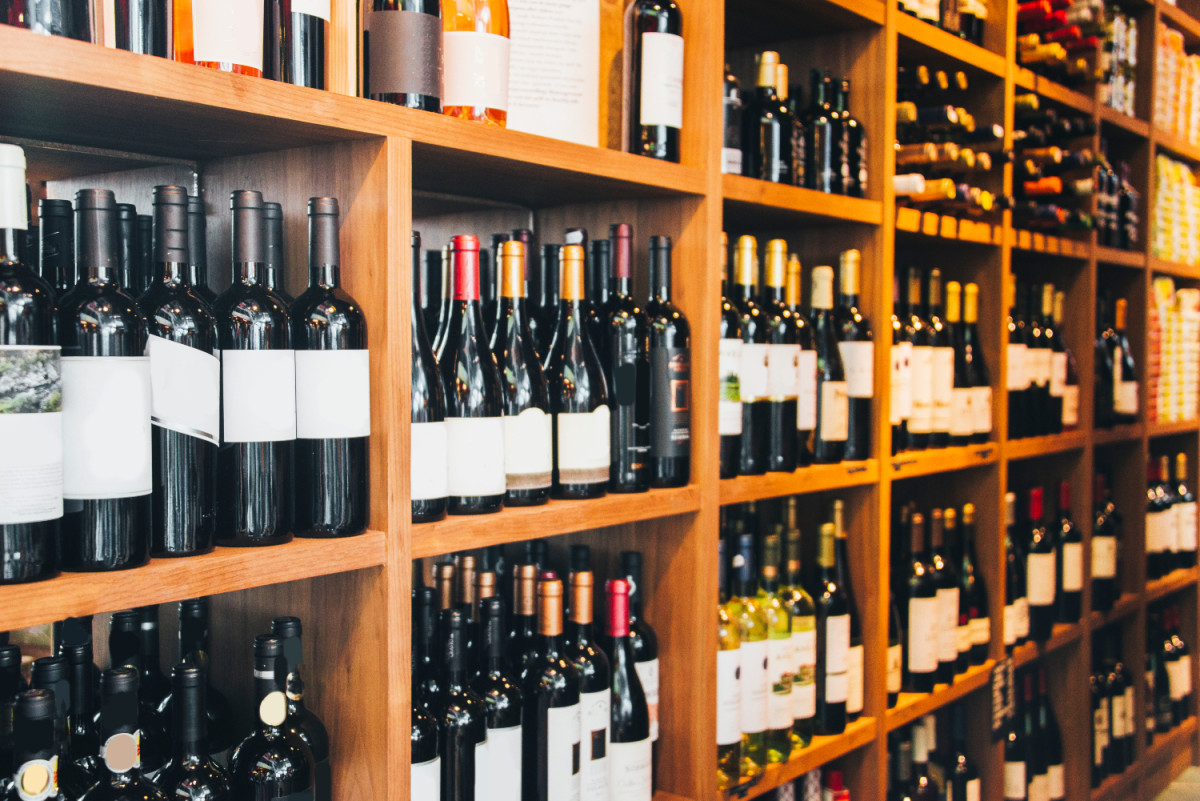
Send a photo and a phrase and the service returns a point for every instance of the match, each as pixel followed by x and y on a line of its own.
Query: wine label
pixel 122 752
pixel 1072 567
pixel 962 638
pixel 1104 557
pixel 729 407
pixel 1129 710
pixel 333 394
pixel 752 378
pixel 314 8
pixel 779 682
pixel 921 421
pixel 1056 778
pixel 1070 414
pixel 981 408
pixel 854 679
pixel 1041 576
pixel 528 449
pixel 783 378
pixel 504 764
pixel 1037 364
pixel 647 673
pixel 1014 781
pixel 582 446
pixel 1021 608
pixel 834 411
pixel 962 412
pixel 980 630
pixel 754 686
pixel 185 389
pixel 1176 679
pixel 258 395
pixel 670 402
pixel 804 682
pixel 895 668
pixel 631 771
pixel 1017 377
pixel 661 80
pixel 1118 717
pixel 1154 532
pixel 475 69
pixel 1039 788
pixel 901 386
pixel 729 697
pixel 974 790
pixel 37 780
pixel 1058 374
pixel 806 391
pixel 943 387
pixel 1186 526
pixel 858 360
pixel 923 636
pixel 31 427
pixel 731 161
pixel 105 427
pixel 837 658
pixel 228 32
pixel 474 456
pixel 1100 733
pixel 482 779
pixel 563 753
pixel 1126 400
pixel 947 624
pixel 1010 624
pixel 404 53
pixel 595 712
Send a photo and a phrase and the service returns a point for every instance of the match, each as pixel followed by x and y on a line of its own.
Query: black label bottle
pixel 752 375
pixel 784 354
pixel 627 371
pixel 833 403
pixel 120 776
pixel 52 673
pixel 402 40
pixel 670 375
pixel 427 436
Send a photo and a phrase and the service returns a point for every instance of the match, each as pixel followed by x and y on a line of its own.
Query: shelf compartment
pixel 1120 787
pixel 805 480
pixel 1033 447
pixel 1174 268
pixel 1132 125
pixel 1126 605
pixel 1135 259
pixel 911 706
pixel 1171 583
pixel 517 524
pixel 942 460
pixel 1116 434
pixel 819 752
pixel 919 38
pixel 1172 428
pixel 763 203
pixel 1063 634
pixel 166 580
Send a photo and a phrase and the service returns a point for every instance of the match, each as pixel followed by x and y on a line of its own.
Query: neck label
pixel 122 753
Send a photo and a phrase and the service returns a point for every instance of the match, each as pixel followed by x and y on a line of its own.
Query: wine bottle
pixel 460 713
pixel 941 365
pixel 11 684
pixel 56 258
pixel 855 657
pixel 190 771
pixel 185 379
pixel 141 27
pixel 729 683
pixel 833 639
pixel 220 35
pixel 1015 747
pixel 851 136
pixel 595 690
pixel 83 740
pixel 578 393
pixel 153 686
pixel 403 44
pixel 945 577
pixel 52 674
pixel 1016 601
pixel 551 747
pixel 301 721
pixel 474 401
pixel 106 525
pixel 1186 518
pixel 294 41
pixel 1070 559
pixel 753 375
pixel 31 501
pixel 424 615
pixel 894 677
pixel 125 650
pixel 819 135
pixel 767 128
pixel 428 445
pixel 953 551
pixel 1125 380
pixel 922 620
pixel 542 321
pixel 751 624
pixel 804 633
pixel 783 359
pixel 1040 360
pixel 36 748
pixel 642 636
pixel 197 250
pixel 1017 369
pixel 627 370
pixel 475 57
pixel 653 78
pixel 630 754
pixel 523 637
pixel 964 779
pixel 829 438
pixel 122 753
pixel 780 658
pixel 924 785
pixel 729 406
pixel 1041 570
pixel 962 399
pixel 857 349
pixel 1158 520
pixel 71 19
pixel 193 651
pixel 425 774
pixel 732 114
pixel 497 687
pixel 920 424
pixel 1036 767
pixel 129 266
pixel 670 375
pixel 900 408
pixel 979 376
pixel 973 596
pixel 1104 549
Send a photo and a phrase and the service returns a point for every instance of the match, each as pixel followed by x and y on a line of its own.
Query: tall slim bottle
pixel 626 352
pixel 941 365
pixel 920 425
pixel 751 624
pixel 56 259
pixel 806 386
pixel 258 393
pixel 52 673
pixel 729 682
pixel 818 126
pixel 804 633
pixel 294 42
pixel 729 411
pixel 921 612
pixel 193 650
pixel 767 128
pixel 461 716
pixel 973 596
pixel 833 409
pixel 945 575
pixel 595 690
pixel 120 776
pixel 501 696
pixel 857 349
pixel 107 474
pixel 186 397
pixel 653 78
pixel 833 639
pixel 190 771
pixel 631 747
pixel 670 375
pixel 427 437
pixel 784 351
pixel 979 375
pixel 395 27
pixel 753 375
pixel 642 637
pixel 32 721
pixel 198 250
pixel 274 264
pixel 1070 558
pixel 302 721
pixel 475 58
pixel 1041 570
pixel 780 659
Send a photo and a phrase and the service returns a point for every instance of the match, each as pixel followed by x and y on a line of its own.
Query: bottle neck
pixel 328 276
pixel 660 274
pixel 251 272
pixel 82 692
pixel 10 244
pixel 189 724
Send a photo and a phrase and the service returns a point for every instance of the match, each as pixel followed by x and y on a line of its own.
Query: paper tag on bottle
pixel 228 32
pixel 662 80
pixel 333 394
pixel 528 449
pixel 858 360
pixel 631 770
pixel 1070 415
pixel 31 428
pixel 185 389
pixel 981 408
pixel 854 679
pixel 258 395
pixel 923 635
pixel 647 673
pixel 106 427
pixel 729 407
pixel 582 446
pixel 595 719
pixel 901 395
pixel 404 52
pixel 314 8
pixel 921 421
pixel 475 70
pixel 947 624
pixel 835 411
pixel 782 375
pixel 962 412
pixel 806 399
pixel 427 461
pixel 563 752
pixel 1041 578
pixel 1104 557
pixel 942 376
pixel 895 668
pixel 752 379
pixel 1058 374
pixel 779 680
pixel 1017 378
pixel 504 764
pixel 753 656
pixel 1072 566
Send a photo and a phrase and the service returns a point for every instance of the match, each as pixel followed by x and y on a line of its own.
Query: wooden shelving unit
pixel 91 116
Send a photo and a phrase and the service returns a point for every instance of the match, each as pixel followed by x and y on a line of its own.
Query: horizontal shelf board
pixel 1135 259
pixel 1123 607
pixel 919 39
pixel 1117 434
pixel 1033 447
pixel 1172 429
pixel 1171 583
pixel 1176 146
pixel 911 706
pixel 1131 125
pixel 166 580
pixel 1119 787
pixel 820 751
pixel 1062 635
pixel 1164 744
pixel 760 22
pixel 914 224
pixel 942 460
pixel 1030 81
pixel 1174 268
pixel 1182 21
pixel 817 478
pixel 755 203
pixel 517 524
pixel 1064 247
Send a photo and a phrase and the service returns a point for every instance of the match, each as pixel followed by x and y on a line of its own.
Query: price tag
pixel 1003 698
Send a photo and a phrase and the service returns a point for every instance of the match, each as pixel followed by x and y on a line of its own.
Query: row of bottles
pixel 790 663
pixel 1168 677
pixel 1061 39
pixel 154 738
pixel 768 136
pixel 1176 87
pixel 1042 381
pixel 604 407
pixel 1117 387
pixel 1057 168
pixel 963 18
pixel 918 770
pixel 532 704
pixel 797 385
pixel 1033 749
pixel 1171 524
pixel 137 440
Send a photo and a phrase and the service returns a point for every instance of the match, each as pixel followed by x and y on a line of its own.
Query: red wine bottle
pixel 653 78
pixel 141 26
pixel 783 357
pixel 502 699
pixel 523 637
pixel 35 747
pixel 753 372
pixel 56 259
pixel 191 771
pixel 121 775
pixel 52 673
pixel 294 41
pixel 193 650
pixel 642 636
pixel 595 690
pixel 630 749
pixel 921 621
pixel 626 358
pixel 833 410
pixel 670 375
pixel 460 714
pixel 302 722
pixel 945 575
pixel 857 349
pixel 1070 559
pixel 1041 570
pixel 427 436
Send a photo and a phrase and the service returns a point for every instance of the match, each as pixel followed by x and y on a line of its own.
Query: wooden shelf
pixel 1120 786
pixel 1176 146
pixel 1131 125
pixel 1171 583
pixel 911 706
pixel 942 460
pixel 760 203
pixel 1051 245
pixel 167 580
pixel 1111 436
pixel 1062 635
pixel 1173 268
pixel 517 524
pixel 915 223
pixel 1034 447
pixel 820 751
pixel 1171 429
pixel 1188 25
pixel 1123 607
pixel 1135 259
pixel 817 478
pixel 919 38
pixel 1031 81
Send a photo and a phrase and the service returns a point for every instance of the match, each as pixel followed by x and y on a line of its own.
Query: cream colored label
pixel 835 411
pixel 583 449
pixel 228 32
pixel 475 70
pixel 662 80
pixel 528 449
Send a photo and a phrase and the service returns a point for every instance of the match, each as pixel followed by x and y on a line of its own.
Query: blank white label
pixel 106 427
pixel 962 412
pixel 1176 680
pixel 1070 415
pixel 1154 532
pixel 647 673
pixel 806 388
pixel 752 379
pixel 922 635
pixel 630 766
pixel 804 687
pixel 981 407
pixel 583 446
pixel 1126 401
pixel 858 360
pixel 947 601
pixel 754 686
pixel 1057 781
pixel 782 375
pixel 31 423
pixel 729 697
pixel 921 421
pixel 980 629
pixel 1039 788
pixel 258 395
pixel 729 409
pixel 475 71
pixel 315 8
pixel 474 456
pixel 835 411
pixel 902 399
pixel 943 387
pixel 1058 374
pixel 504 764
pixel 1041 577
pixel 895 668
pixel 1010 624
pixel 1014 781
pixel 854 679
pixel 333 394
pixel 1021 609
pixel 662 80
pixel 185 389
pixel 563 755
pixel 426 779
pixel 528 449
pixel 1118 716
pixel 1187 523
pixel 228 32
pixel 974 790
pixel 779 683
pixel 1104 557
pixel 1018 374
pixel 1072 567
pixel 837 657
pixel 482 764
pixel 595 711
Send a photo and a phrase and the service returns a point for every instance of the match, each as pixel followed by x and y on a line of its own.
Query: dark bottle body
pixel 767 129
pixel 190 773
pixel 193 651
pixel 626 355
pixel 654 60
pixel 293 45
pixel 752 373
pixel 70 18
pixel 141 26
pixel 550 689
pixel 730 412
pixel 670 374
pixel 428 408
pixel 819 167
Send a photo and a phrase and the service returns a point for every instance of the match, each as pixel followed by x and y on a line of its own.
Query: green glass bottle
pixel 752 631
pixel 729 696
pixel 779 653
